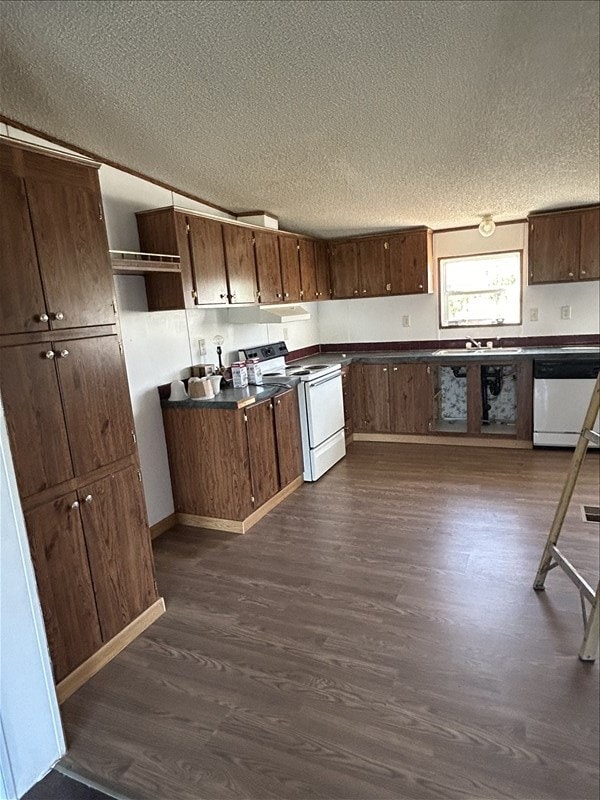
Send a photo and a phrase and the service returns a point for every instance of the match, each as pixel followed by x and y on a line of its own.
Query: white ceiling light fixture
pixel 487 225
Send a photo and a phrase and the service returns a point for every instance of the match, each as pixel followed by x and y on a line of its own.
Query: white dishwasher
pixel 561 395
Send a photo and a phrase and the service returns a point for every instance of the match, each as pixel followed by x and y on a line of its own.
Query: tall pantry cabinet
pixel 64 389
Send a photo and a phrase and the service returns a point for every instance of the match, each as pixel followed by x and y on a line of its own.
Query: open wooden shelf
pixel 125 262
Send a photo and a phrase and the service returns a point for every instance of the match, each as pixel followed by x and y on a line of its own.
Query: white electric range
pixel 320 401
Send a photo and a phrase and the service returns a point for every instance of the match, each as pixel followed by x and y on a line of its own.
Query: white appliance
pixel 320 401
pixel 561 395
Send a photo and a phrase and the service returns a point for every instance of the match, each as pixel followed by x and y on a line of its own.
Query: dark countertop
pixel 458 354
pixel 234 398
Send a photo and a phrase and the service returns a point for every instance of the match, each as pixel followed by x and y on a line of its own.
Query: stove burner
pixel 273 375
pixel 317 366
pixel 301 372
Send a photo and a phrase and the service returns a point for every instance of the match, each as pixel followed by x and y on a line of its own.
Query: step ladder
pixel 552 556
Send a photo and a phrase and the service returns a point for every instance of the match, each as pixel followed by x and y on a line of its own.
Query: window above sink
pixel 481 290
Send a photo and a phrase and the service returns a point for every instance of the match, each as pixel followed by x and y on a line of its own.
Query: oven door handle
pixel 325 380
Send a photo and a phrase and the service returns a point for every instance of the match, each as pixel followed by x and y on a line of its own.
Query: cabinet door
pixel 323 278
pixel 239 257
pixel 357 396
pixel 96 401
pixel 589 259
pixel 343 264
pixel 409 255
pixel 290 269
pixel 208 260
pixel 118 545
pixel 554 242
pixel 373 267
pixel 268 268
pixel 289 438
pixel 411 398
pixel 64 583
pixel 262 451
pixel 308 269
pixel 376 389
pixel 68 226
pixel 34 416
pixel 22 304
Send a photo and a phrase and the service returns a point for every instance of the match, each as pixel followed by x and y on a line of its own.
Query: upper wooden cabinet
pixel 589 255
pixel 343 264
pixel 308 270
pixel 55 269
pixel 71 430
pixel 290 268
pixel 564 246
pixel 268 267
pixel 382 265
pixel 239 258
pixel 323 276
pixel 373 267
pixel 410 259
pixel 207 257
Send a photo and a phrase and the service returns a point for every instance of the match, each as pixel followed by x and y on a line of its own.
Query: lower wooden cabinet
pixel 227 463
pixel 411 398
pixel 64 581
pixel 348 403
pixel 483 400
pixel 93 564
pixel 262 450
pixel 118 547
pixel 287 434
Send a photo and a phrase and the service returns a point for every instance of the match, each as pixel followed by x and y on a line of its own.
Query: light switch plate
pixel 406 321
pixel 533 315
pixel 565 312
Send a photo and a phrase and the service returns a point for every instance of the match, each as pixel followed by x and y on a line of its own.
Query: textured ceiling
pixel 334 116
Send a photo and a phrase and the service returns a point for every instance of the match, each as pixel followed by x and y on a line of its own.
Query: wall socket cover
pixel 533 314
pixel 565 312
pixel 202 346
pixel 406 321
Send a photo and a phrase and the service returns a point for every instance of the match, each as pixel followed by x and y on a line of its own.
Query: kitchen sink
pixel 477 351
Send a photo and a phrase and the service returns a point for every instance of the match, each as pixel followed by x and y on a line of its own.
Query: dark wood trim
pixel 109 162
pixel 304 352
pixel 12 339
pixel 566 210
pixel 479 255
pixel 87 161
pixel 438 344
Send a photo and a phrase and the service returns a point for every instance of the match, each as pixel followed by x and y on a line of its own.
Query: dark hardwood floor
pixel 375 636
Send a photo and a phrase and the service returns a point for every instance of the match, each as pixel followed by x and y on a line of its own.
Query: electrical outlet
pixel 406 321
pixel 533 315
pixel 286 333
pixel 202 347
pixel 565 312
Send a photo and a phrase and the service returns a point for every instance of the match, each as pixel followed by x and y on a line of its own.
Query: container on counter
pixel 239 373
pixel 200 389
pixel 254 371
pixel 203 370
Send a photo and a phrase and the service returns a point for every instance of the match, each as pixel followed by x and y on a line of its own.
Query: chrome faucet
pixel 475 342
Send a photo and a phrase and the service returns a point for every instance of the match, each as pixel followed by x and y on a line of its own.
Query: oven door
pixel 324 408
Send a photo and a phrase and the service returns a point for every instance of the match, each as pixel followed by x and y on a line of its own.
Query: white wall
pixel 31 738
pixel 380 319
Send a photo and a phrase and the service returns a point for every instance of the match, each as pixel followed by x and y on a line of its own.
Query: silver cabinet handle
pixel 583 272
pixel 385 369
pixel 75 504
pixel 356 291
pixel 232 296
pixel 420 286
pixel 63 353
pixel 278 402
pixel 88 498
pixel 364 291
pixel 59 315
pixel 49 354
pixel 43 317
pixel 570 274
pixel 286 294
pixel 395 369
pixel 222 296
pixel 278 294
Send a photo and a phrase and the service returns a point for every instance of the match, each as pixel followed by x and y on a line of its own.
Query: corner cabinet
pixel 383 265
pixel 229 467
pixel 64 390
pixel 564 246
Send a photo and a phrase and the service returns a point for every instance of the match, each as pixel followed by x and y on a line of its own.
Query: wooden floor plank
pixel 375 636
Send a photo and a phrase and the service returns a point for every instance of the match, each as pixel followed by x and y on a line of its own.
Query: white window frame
pixel 474 323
